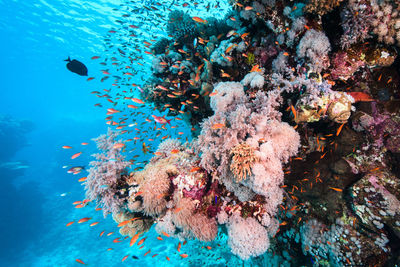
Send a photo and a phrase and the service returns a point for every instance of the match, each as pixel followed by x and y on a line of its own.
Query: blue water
pixel 35 190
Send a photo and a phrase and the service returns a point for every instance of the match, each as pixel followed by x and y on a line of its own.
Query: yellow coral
pixel 242 160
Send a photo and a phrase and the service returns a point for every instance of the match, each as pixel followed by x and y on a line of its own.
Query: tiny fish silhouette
pixel 77 67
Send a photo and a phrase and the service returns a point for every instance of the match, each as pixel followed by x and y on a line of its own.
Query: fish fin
pixel 68 59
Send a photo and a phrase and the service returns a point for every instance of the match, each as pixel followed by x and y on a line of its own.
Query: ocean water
pixel 49 107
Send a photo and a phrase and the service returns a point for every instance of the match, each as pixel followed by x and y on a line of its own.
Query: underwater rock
pixel 376 201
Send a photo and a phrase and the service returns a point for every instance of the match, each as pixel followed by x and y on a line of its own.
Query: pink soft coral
pixel 106 182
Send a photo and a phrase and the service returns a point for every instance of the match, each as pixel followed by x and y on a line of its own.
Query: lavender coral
pixel 106 182
pixel 315 46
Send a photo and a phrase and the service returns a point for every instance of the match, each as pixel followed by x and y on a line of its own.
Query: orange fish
pixel 110 233
pixel 126 222
pixel 80 261
pixel 74 156
pixel 184 255
pixel 84 144
pixel 164 233
pixel 124 258
pixel 95 57
pixel 93 224
pixel 179 247
pixel 159 238
pixel 195 169
pixel 361 97
pixel 141 241
pixel 132 106
pixel 339 129
pixel 82 179
pixel 90 78
pixel 147 253
pixel 134 239
pixel 118 145
pixel 174 151
pixel 84 220
pixel 67 147
pixel 255 68
pixel 68 224
pixel 200 20
pixel 336 189
pixel 138 101
pixel 168 259
pixel 102 233
pixel 218 126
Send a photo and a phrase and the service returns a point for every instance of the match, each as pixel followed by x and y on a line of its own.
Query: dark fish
pixel 77 67
pixel 134 257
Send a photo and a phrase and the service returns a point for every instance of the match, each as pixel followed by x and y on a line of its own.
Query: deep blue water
pixel 35 191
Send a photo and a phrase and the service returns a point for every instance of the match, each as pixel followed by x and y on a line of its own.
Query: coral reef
pixel 295 134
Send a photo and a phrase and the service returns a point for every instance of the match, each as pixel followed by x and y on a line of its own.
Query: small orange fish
pixel 160 238
pixel 93 224
pixel 184 255
pixel 141 241
pixel 179 247
pixel 84 220
pixel 336 189
pixel 80 261
pixel 101 234
pixel 255 68
pixel 138 101
pixel 110 233
pixel 168 259
pixel 339 129
pixel 174 151
pixel 74 156
pixel 84 144
pixel 126 222
pixel 67 147
pixel 82 179
pixel 134 239
pixel 218 126
pixel 124 258
pixel 146 253
pixel 200 20
pixel 164 233
pixel 68 224
pixel 195 169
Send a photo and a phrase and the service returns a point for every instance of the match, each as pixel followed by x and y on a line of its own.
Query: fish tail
pixel 68 59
